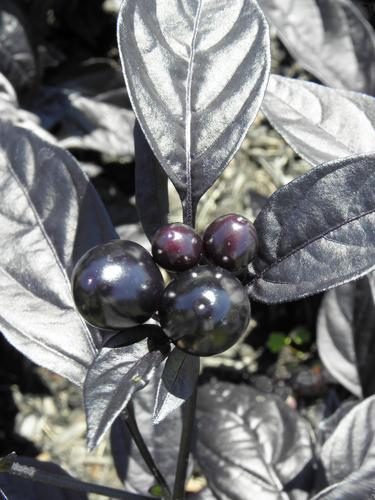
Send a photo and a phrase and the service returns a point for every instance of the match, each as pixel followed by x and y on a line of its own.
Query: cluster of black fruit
pixel 204 309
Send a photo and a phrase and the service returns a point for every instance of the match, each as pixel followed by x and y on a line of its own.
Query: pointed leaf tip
pixel 113 378
pixel 176 385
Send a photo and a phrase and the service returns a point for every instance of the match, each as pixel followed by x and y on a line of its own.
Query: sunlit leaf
pixel 50 215
pixel 196 73
pixel 321 124
pixel 118 371
pixel 329 38
pixel 316 232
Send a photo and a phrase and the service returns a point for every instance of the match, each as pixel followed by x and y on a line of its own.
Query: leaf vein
pixel 188 118
pixel 310 241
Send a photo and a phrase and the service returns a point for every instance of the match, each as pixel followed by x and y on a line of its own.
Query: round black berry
pixel 117 285
pixel 205 310
pixel 176 247
pixel 230 242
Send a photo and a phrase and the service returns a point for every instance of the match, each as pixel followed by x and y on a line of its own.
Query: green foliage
pixel 156 491
pixel 276 342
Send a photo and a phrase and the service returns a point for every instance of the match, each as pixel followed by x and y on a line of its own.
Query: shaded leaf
pixel 151 184
pixel 87 107
pixel 329 38
pixel 196 74
pixel 250 444
pixel 118 371
pixel 358 486
pixel 7 93
pixel 163 441
pixel 335 337
pixel 316 232
pixel 97 126
pixel 95 77
pixel 364 332
pixel 17 61
pixel 50 215
pixel 17 488
pixel 321 124
pixel 176 384
pixel 351 447
pixel 11 112
pixel 346 335
pixel 328 425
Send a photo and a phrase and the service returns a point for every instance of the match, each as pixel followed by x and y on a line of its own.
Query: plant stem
pixel 189 211
pixel 185 445
pixel 189 215
pixel 10 465
pixel 3 495
pixel 131 423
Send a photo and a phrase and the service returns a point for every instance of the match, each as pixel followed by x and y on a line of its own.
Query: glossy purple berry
pixel 230 242
pixel 176 247
pixel 205 310
pixel 117 285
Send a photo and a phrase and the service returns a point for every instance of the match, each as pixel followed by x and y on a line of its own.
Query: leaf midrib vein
pixel 188 115
pixel 109 415
pixel 49 244
pixel 274 482
pixel 317 125
pixel 310 241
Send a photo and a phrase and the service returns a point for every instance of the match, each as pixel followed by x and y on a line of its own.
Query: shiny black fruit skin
pixel 204 311
pixel 176 247
pixel 117 285
pixel 230 242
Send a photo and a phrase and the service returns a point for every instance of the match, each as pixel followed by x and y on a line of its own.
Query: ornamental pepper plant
pixel 142 321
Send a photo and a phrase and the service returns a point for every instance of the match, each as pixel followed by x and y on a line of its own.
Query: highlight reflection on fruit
pixel 117 285
pixel 205 311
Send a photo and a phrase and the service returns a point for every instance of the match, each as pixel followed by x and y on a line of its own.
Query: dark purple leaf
pixel 316 232
pixel 50 216
pixel 335 336
pixel 358 486
pixel 321 124
pixel 96 77
pixel 87 107
pixel 176 384
pixel 118 371
pixel 364 332
pixel 329 38
pixel 346 335
pixel 97 126
pixel 7 93
pixel 10 111
pixel 328 425
pixel 17 60
pixel 162 439
pixel 250 444
pixel 151 184
pixel 196 74
pixel 351 447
